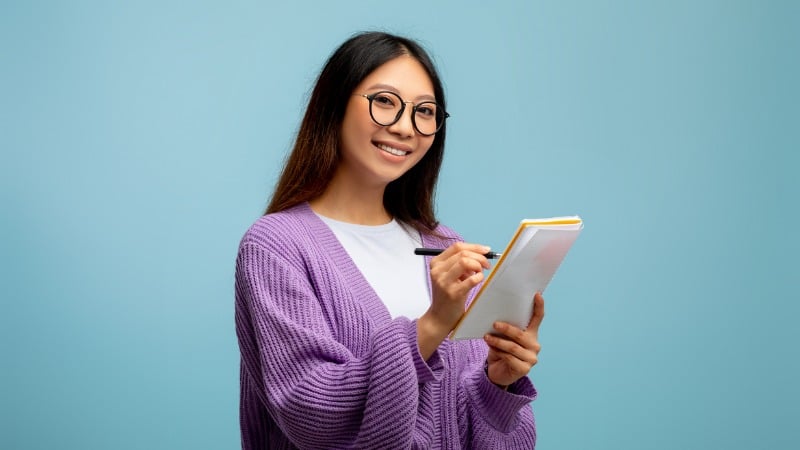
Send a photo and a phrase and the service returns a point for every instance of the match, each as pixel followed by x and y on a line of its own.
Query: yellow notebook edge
pixel 566 220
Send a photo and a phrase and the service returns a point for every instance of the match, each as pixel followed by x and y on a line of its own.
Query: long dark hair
pixel 314 158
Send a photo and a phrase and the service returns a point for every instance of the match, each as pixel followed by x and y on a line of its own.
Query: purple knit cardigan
pixel 323 364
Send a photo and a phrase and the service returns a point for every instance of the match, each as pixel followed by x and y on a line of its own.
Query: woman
pixel 342 330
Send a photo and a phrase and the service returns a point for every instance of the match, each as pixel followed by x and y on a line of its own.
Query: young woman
pixel 342 329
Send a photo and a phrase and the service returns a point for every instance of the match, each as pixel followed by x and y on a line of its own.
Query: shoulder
pixel 447 232
pixel 284 232
pixel 442 236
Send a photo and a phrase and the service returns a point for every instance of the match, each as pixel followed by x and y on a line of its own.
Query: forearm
pixel 318 394
pixel 430 334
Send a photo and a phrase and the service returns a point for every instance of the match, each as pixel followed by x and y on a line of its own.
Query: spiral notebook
pixel 529 262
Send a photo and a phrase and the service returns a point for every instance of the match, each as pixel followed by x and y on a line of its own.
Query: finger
pixel 515 365
pixel 455 284
pixel 516 334
pixel 512 348
pixel 526 339
pixel 462 249
pixel 448 259
pixel 463 246
pixel 520 366
pixel 462 267
pixel 460 257
pixel 538 313
pixel 469 281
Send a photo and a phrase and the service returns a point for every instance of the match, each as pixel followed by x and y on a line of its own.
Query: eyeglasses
pixel 386 108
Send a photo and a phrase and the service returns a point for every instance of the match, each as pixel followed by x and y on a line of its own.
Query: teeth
pixel 391 150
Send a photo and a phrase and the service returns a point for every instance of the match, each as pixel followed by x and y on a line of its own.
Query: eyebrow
pixel 395 90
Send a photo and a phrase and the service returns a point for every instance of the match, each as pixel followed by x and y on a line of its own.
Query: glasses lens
pixel 428 118
pixel 385 108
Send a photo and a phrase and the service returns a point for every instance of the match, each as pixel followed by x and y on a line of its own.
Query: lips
pixel 392 150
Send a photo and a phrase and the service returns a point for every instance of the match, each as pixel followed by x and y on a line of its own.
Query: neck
pixel 346 202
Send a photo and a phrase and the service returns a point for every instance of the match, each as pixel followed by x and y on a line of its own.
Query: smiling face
pixel 373 155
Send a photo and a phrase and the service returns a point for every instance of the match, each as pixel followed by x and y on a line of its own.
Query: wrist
pixel 430 333
pixel 486 371
pixel 432 327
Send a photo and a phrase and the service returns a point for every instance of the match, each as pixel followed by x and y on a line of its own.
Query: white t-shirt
pixel 385 256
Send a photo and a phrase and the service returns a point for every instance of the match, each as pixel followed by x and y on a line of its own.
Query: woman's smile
pixel 392 150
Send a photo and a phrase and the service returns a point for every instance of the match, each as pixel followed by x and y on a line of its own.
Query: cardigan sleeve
pixel 490 417
pixel 318 392
pixel 499 416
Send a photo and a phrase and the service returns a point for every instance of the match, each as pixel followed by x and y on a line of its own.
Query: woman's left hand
pixel 512 355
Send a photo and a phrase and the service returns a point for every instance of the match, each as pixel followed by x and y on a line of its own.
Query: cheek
pixel 352 131
pixel 425 145
pixel 355 116
pixel 358 126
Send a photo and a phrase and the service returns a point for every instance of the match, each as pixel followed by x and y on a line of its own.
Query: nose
pixel 404 126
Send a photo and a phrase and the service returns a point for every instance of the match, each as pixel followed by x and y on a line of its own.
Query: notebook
pixel 526 267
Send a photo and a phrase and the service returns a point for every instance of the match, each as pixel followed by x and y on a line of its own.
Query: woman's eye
pixel 426 110
pixel 384 100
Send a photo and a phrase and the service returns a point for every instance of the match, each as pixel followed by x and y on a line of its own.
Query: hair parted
pixel 314 158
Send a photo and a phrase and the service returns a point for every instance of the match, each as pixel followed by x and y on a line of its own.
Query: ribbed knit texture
pixel 324 366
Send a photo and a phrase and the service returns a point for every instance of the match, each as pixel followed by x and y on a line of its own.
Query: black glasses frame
pixel 403 103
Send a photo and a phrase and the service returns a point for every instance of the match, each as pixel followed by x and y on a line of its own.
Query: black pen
pixel 436 251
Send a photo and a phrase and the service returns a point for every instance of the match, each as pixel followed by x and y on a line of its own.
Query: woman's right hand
pixel 454 272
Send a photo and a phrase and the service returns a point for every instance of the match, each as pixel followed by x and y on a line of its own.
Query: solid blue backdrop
pixel 140 140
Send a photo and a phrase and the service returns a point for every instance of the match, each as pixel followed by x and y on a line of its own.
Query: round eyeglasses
pixel 386 108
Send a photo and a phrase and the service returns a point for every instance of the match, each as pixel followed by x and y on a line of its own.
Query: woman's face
pixel 375 155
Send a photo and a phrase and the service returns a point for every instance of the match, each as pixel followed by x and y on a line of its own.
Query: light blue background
pixel 140 140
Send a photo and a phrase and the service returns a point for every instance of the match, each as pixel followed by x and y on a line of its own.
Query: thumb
pixel 538 313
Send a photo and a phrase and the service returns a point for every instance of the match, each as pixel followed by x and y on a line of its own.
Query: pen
pixel 436 251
